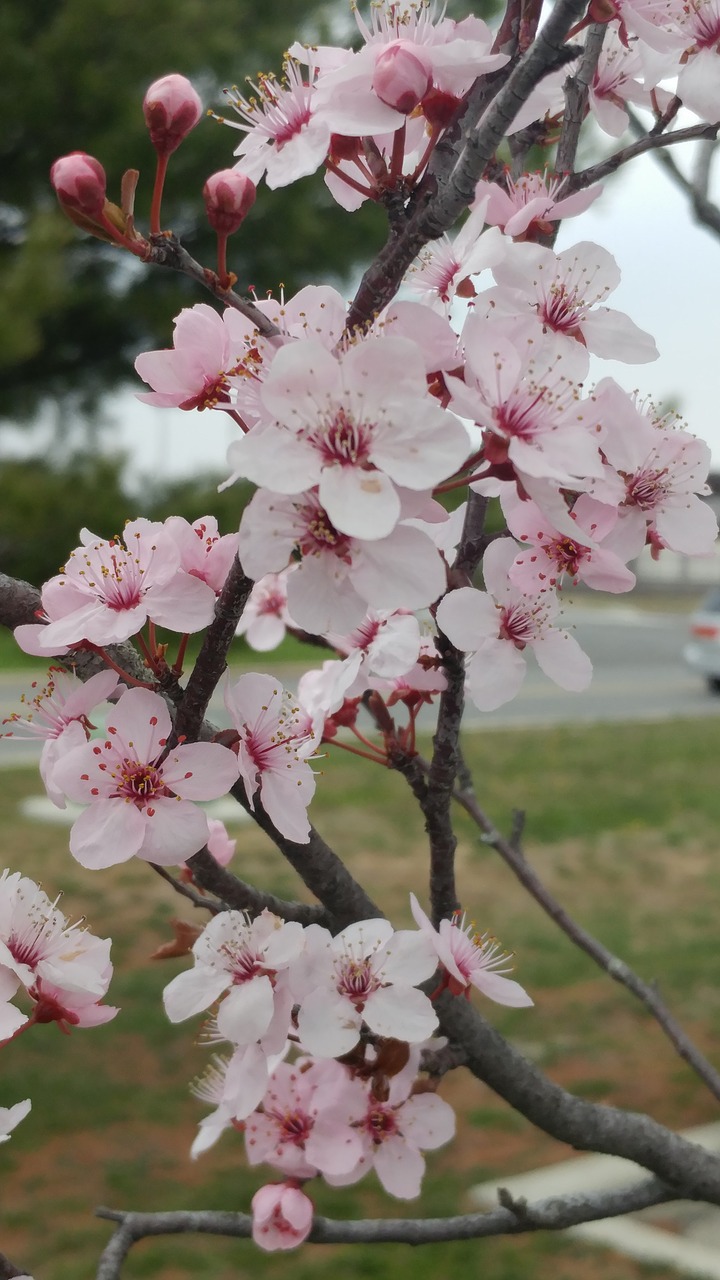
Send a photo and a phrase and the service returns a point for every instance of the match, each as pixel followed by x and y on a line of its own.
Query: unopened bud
pixel 79 181
pixel 172 108
pixel 401 78
pixel 229 195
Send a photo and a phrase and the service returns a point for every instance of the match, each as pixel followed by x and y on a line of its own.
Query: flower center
pixel 140 783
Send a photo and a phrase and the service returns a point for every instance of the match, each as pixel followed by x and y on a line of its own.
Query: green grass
pixel 622 824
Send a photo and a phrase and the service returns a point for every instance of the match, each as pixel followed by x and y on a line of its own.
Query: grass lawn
pixel 622 823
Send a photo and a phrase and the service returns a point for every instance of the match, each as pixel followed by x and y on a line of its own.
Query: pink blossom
pixel 530 203
pixel 282 1216
pixel 139 794
pixel 495 627
pixel 395 1131
pixel 338 576
pixel 563 291
pixel 274 748
pixel 661 473
pixel 445 266
pixel 305 1124
pixel 109 590
pixel 367 973
pixel 243 958
pixel 64 968
pixel 235 1086
pixel 617 81
pixel 471 959
pixel 204 552
pixel 59 713
pixel 172 108
pixel 9 1118
pixel 528 399
pixel 454 54
pixel 552 555
pixel 208 349
pixel 358 427
pixel 265 616
pixel 285 139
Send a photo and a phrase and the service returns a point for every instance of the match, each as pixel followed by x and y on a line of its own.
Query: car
pixel 702 651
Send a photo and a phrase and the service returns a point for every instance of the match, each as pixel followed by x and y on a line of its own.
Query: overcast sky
pixel 670 286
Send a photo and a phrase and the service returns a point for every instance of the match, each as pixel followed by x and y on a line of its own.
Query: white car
pixel 702 651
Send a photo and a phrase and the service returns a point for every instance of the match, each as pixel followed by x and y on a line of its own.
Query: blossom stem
pixel 351 182
pixel 222 270
pixel 127 678
pixel 425 157
pixel 345 746
pixel 160 172
pixel 398 155
pixel 177 667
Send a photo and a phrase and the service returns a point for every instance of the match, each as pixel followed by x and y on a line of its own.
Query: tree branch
pixel 649 142
pixel 166 251
pixel 577 89
pixel 509 1218
pixel 616 968
pixel 706 213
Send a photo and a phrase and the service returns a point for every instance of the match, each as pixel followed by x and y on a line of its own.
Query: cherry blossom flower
pixel 338 576
pixel 109 590
pixel 139 794
pixel 451 54
pixel 243 958
pixel 204 552
pixel 495 627
pixel 395 1131
pixel 275 743
pixel 445 266
pixel 209 350
pixel 530 204
pixel 10 1117
pixel 265 616
pixel 529 402
pixel 617 80
pixel 470 959
pixel 59 713
pixel 282 1216
pixel 64 968
pixel 285 138
pixel 305 1124
pixel 658 477
pixel 552 555
pixel 357 427
pixel 563 291
pixel 235 1086
pixel 369 973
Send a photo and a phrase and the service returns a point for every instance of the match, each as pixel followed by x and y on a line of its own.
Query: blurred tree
pixel 73 78
pixel 44 507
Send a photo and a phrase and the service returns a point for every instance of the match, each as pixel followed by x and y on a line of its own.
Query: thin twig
pixel 166 251
pixel 511 853
pixel 511 1217
pixel 647 143
pixel 706 213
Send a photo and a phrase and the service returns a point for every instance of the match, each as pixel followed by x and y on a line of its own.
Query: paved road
pixel 639 675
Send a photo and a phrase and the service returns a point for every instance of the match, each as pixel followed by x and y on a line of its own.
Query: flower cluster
pixel 349 1010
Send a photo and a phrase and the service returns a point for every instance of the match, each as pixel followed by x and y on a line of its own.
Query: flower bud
pixel 79 182
pixel 171 108
pixel 229 195
pixel 401 78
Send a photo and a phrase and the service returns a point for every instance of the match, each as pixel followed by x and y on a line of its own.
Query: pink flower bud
pixel 79 181
pixel 401 78
pixel 229 195
pixel 282 1216
pixel 172 108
